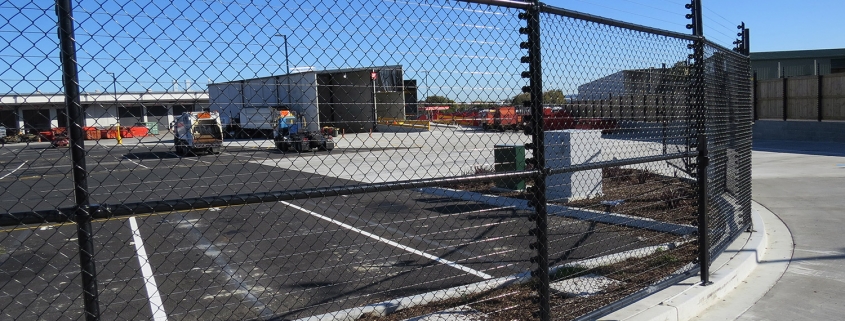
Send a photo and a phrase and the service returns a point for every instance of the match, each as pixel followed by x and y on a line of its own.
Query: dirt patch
pixel 518 302
pixel 626 191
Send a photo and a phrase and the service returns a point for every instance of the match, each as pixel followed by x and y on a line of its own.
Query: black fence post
pixel 535 129
pixel 785 97
pixel 702 161
pixel 819 100
pixel 754 102
pixel 76 120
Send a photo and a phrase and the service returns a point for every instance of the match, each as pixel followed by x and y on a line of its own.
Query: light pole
pixel 114 85
pixel 114 92
pixel 287 67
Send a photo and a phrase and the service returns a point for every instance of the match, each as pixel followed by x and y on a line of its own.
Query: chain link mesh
pixel 729 119
pixel 622 228
pixel 360 160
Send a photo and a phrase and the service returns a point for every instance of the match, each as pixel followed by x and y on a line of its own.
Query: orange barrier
pixel 91 133
pixel 112 134
pixel 139 131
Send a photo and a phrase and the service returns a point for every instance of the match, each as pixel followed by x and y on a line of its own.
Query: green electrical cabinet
pixel 509 158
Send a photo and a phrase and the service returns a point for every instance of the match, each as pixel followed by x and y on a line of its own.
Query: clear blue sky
pixel 776 25
pixel 465 52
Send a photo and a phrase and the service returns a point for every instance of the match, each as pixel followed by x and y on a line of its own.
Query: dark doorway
pixel 9 119
pixel 180 109
pixel 35 120
pixel 130 115
pixel 62 117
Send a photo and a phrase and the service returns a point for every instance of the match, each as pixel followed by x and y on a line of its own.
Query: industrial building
pixel 782 64
pixel 349 99
pixel 39 112
pixel 650 81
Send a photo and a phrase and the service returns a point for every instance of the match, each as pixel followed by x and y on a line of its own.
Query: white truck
pixel 197 132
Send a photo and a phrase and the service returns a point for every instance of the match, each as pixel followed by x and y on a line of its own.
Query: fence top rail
pixel 615 23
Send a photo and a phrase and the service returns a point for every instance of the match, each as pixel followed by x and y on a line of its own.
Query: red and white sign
pixel 373 75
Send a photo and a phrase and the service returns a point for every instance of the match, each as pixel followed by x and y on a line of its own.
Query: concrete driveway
pixel 803 183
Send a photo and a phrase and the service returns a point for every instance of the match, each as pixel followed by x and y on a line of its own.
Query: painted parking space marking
pixel 156 305
pixel 14 170
pixel 134 162
pixel 394 244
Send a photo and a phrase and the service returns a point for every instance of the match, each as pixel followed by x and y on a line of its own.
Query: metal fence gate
pixel 380 160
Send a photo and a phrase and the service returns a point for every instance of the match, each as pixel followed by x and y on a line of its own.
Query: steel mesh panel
pixel 264 160
pixel 729 129
pixel 36 259
pixel 636 87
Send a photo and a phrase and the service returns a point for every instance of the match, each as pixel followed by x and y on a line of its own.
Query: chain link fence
pixel 366 160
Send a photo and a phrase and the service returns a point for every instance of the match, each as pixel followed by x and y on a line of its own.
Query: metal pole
pixel 747 35
pixel 754 107
pixel 82 215
pixel 698 98
pixel 819 100
pixel 373 76
pixel 287 62
pixel 703 230
pixel 535 76
pixel 287 70
pixel 785 97
pixel 114 92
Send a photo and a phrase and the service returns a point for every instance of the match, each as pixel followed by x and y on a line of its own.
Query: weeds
pixel 567 272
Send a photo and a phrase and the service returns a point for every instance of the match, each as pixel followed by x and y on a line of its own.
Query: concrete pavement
pixel 804 184
pixel 799 272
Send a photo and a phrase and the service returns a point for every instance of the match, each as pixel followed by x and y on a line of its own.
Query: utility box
pixel 509 158
pixel 565 148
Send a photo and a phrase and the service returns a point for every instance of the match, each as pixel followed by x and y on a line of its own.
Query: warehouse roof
pixel 320 72
pixel 798 54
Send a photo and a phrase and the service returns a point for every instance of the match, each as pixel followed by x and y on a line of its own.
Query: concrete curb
pixel 688 299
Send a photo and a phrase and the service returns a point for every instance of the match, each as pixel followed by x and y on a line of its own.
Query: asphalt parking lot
pixel 281 260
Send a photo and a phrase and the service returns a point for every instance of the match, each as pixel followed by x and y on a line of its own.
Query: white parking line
pixel 10 173
pixel 134 162
pixel 394 244
pixel 156 305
